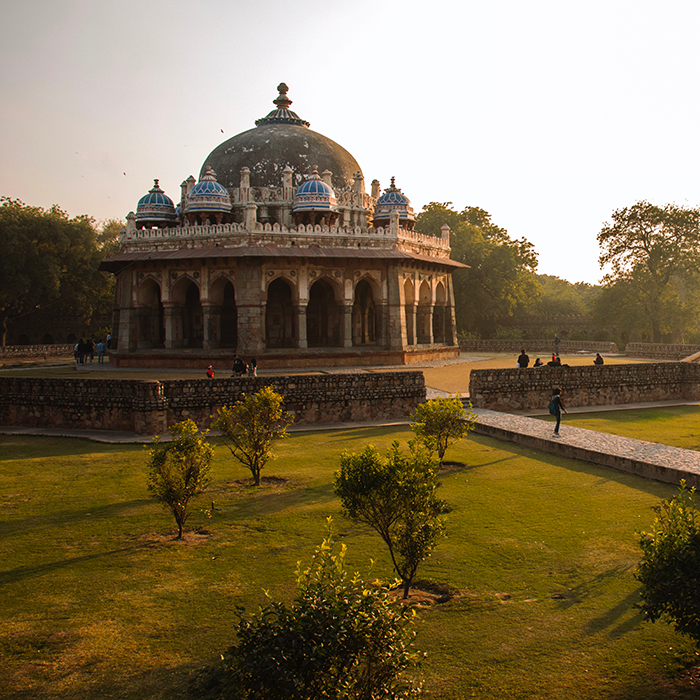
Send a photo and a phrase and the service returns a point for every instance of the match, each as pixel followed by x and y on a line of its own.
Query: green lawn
pixel 678 426
pixel 99 601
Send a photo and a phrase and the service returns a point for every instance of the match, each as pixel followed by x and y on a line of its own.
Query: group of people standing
pixel 240 368
pixel 85 350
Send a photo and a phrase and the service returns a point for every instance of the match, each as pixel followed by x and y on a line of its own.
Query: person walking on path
pixel 556 406
pixel 556 344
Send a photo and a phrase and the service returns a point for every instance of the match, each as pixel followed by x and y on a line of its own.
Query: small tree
pixel 250 426
pixel 397 497
pixel 179 470
pixel 441 422
pixel 340 639
pixel 670 568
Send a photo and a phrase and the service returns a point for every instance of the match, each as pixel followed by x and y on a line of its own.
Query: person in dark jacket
pixel 523 359
pixel 556 406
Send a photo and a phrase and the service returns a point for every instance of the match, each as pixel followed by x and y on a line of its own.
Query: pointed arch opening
pixel 279 315
pixel 322 316
pixel 151 316
pixel 439 314
pixel 364 315
pixel 425 299
pixel 409 308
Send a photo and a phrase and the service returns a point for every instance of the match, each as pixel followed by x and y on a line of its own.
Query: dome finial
pixel 282 114
pixel 282 100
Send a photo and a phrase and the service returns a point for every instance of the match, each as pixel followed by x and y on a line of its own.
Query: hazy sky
pixel 548 114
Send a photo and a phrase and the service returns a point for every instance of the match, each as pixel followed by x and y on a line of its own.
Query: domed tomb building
pixel 278 253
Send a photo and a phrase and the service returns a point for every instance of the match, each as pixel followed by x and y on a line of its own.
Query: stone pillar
pixel 346 328
pixel 395 307
pixel 251 311
pixel 429 322
pixel 300 324
pixel 381 309
pixel 173 325
pixel 210 339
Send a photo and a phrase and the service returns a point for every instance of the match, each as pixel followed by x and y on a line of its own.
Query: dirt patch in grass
pixel 426 593
pixel 189 537
pixel 265 481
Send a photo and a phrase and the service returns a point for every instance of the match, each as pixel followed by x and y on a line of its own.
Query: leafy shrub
pixel 670 568
pixel 179 470
pixel 340 639
pixel 440 422
pixel 250 426
pixel 396 497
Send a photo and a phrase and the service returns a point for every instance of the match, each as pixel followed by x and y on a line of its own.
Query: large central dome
pixel 280 140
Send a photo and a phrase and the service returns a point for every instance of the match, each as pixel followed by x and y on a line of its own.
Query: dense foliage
pixel 440 422
pixel 49 259
pixel 499 282
pixel 396 496
pixel 653 254
pixel 670 568
pixel 179 470
pixel 341 639
pixel 251 426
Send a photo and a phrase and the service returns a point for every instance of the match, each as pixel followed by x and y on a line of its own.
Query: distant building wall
pixel 527 389
pixel 150 406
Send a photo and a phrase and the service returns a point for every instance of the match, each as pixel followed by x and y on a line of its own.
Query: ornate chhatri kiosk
pixel 264 257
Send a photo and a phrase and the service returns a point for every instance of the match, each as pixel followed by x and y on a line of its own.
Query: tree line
pixel 650 292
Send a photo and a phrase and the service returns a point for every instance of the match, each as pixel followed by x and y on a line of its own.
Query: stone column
pixel 210 339
pixel 346 328
pixel 381 309
pixel 300 327
pixel 173 325
pixel 251 319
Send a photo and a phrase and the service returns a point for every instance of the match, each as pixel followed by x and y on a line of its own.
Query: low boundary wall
pixel 148 407
pixel 531 388
pixel 661 351
pixel 49 350
pixel 536 347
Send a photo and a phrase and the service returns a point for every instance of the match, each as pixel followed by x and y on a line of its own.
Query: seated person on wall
pixel 598 359
pixel 555 361
pixel 523 359
pixel 538 363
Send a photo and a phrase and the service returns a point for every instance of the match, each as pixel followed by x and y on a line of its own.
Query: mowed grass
pixel 100 601
pixel 678 426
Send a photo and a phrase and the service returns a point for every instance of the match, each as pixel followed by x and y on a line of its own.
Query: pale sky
pixel 548 114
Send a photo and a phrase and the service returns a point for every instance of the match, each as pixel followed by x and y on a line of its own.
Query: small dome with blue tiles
pixel 208 196
pixel 314 195
pixel 155 209
pixel 393 199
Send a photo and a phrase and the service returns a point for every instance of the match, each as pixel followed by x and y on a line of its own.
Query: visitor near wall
pixel 556 406
pixel 523 359
pixel 239 366
pixel 210 372
pixel 598 359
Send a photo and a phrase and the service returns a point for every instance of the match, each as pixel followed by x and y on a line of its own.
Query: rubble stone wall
pixel 148 407
pixel 531 388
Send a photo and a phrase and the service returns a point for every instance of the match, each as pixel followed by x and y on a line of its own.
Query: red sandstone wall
pixel 148 407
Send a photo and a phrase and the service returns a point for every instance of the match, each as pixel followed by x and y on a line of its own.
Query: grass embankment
pixel 99 601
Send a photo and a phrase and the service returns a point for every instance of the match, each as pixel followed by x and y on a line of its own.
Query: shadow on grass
pixel 605 474
pixel 22 573
pixel 14 447
pixel 66 518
